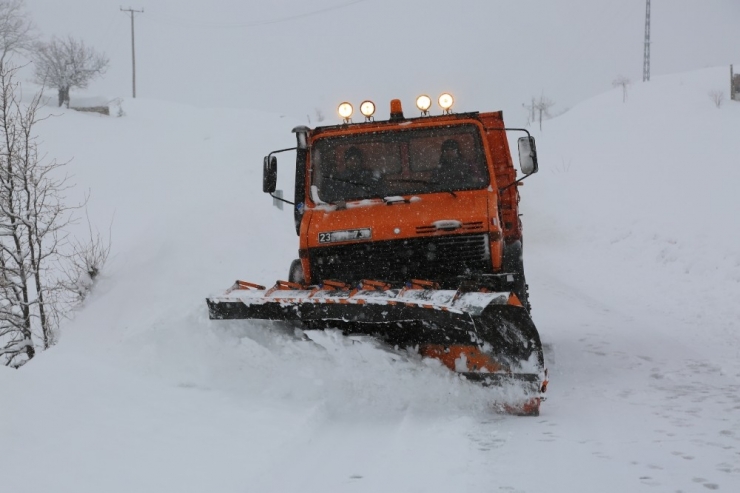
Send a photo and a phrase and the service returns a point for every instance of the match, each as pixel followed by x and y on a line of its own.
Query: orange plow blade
pixel 487 337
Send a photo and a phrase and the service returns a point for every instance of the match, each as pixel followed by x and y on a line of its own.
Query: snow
pixel 248 52
pixel 632 261
pixel 447 224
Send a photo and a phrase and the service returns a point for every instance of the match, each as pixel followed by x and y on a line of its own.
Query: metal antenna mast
pixel 646 59
pixel 133 51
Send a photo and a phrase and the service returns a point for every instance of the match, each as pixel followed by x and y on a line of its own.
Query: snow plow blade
pixel 487 337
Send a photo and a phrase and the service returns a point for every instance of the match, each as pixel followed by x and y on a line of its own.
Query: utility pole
pixel 732 83
pixel 133 50
pixel 646 59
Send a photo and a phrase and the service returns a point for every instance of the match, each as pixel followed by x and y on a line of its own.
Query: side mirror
pixel 269 174
pixel 527 155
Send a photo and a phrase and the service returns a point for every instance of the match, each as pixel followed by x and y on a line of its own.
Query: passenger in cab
pixel 454 170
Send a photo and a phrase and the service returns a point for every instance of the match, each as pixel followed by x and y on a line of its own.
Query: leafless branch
pixel 717 97
pixel 17 32
pixel 67 63
pixel 541 108
pixel 86 261
pixel 624 83
pixel 33 230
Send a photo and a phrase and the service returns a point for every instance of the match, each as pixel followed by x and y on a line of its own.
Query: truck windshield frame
pixel 395 162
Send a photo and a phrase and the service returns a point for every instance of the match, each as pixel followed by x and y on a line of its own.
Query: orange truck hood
pixel 421 216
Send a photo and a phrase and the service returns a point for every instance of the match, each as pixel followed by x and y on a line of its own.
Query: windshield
pixel 405 162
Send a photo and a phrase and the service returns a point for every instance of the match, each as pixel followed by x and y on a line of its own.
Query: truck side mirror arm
pixel 269 174
pixel 527 156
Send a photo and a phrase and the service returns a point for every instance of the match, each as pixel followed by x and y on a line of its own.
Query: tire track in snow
pixel 630 394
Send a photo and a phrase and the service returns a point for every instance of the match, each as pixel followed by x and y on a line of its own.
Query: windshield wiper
pixel 342 202
pixel 415 180
pixel 363 185
pixel 426 182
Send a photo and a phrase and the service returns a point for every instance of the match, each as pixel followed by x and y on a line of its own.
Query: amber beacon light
pixel 396 110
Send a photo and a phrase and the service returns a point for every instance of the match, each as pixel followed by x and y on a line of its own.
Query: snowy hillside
pixel 297 56
pixel 631 254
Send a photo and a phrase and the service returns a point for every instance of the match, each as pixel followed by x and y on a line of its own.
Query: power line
pixel 646 55
pixel 133 49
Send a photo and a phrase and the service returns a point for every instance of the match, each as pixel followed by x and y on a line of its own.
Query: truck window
pixel 399 162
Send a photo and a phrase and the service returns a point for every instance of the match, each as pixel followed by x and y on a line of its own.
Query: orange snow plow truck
pixel 409 231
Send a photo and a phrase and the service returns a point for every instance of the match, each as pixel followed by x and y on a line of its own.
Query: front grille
pixel 465 226
pixel 437 258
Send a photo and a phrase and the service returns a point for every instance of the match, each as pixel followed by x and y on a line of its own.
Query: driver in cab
pixel 454 169
pixel 356 179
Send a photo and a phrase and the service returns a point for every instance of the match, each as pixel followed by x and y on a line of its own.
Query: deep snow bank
pixel 638 202
pixel 631 254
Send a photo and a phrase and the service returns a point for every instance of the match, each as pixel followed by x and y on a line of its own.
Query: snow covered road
pixel 632 261
pixel 630 408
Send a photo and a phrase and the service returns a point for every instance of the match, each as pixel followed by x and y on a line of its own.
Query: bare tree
pixel 717 97
pixel 17 32
pixel 67 63
pixel 32 222
pixel 85 263
pixel 624 83
pixel 35 253
pixel 531 111
pixel 542 109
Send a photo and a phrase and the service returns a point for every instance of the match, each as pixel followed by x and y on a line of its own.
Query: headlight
pixel 424 102
pixel 446 101
pixel 345 110
pixel 367 108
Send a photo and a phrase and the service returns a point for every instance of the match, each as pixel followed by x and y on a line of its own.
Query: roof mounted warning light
pixel 396 110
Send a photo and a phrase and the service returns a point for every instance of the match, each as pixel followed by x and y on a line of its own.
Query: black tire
pixel 295 274
pixel 513 262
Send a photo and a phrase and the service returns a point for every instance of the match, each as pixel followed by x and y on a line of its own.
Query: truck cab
pixel 430 198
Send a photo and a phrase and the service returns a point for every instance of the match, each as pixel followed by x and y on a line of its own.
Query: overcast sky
pixel 293 56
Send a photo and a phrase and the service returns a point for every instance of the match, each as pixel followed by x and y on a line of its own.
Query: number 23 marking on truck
pixel 346 235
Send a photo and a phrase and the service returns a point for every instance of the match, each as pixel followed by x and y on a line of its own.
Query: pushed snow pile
pixel 631 255
pixel 641 198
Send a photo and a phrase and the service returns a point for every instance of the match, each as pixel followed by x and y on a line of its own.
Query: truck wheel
pixel 514 263
pixel 295 274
